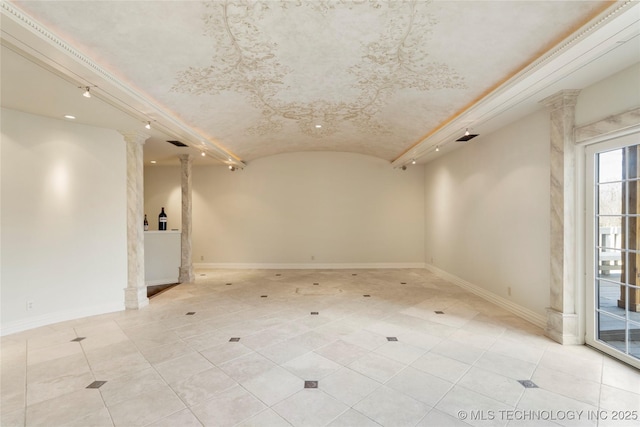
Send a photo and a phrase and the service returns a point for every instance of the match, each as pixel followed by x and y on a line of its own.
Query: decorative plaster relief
pixel 251 61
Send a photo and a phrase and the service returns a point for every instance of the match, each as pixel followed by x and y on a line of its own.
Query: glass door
pixel 613 247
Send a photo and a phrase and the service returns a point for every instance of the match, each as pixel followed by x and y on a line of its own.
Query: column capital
pixel 134 136
pixel 564 98
pixel 185 158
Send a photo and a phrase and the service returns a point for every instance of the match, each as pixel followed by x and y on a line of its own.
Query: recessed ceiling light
pixel 203 154
pixel 153 161
pixel 70 117
pixel 318 126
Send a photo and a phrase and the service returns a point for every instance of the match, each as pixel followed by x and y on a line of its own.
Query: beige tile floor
pixel 163 367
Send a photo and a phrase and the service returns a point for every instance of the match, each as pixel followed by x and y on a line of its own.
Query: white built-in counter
pixel 161 257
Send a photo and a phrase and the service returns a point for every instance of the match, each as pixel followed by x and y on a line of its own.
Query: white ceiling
pixel 247 79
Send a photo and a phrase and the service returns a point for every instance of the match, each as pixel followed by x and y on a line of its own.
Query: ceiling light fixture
pixel 86 93
pixel 413 161
pixel 466 132
pixel 70 117
pixel 203 154
pixel 318 126
pixel 232 168
pixel 437 148
pixel 148 125
pixel 153 161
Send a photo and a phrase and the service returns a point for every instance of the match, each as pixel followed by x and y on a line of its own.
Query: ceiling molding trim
pixel 596 38
pixel 46 47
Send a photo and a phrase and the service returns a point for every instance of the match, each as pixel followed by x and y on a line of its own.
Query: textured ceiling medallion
pixel 264 64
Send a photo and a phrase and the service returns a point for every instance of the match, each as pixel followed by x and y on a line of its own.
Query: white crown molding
pixel 601 35
pixel 34 41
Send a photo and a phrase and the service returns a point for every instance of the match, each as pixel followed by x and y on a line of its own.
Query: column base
pixel 186 275
pixel 135 298
pixel 563 328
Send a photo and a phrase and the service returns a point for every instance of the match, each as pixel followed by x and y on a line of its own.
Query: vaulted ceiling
pixel 245 79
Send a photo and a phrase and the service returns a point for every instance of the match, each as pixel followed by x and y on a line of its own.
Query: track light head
pixel 87 93
pixel 148 125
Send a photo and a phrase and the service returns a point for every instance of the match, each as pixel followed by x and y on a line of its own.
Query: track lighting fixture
pixel 437 148
pixel 87 93
pixel 466 132
pixel 232 168
pixel 148 125
pixel 203 154
pixel 413 161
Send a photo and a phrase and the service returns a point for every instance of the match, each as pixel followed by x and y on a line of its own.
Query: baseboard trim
pixel 310 266
pixel 520 311
pixel 61 316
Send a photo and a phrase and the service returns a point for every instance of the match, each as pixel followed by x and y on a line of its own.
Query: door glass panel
pixel 608 297
pixel 610 232
pixel 617 240
pixel 610 159
pixel 634 311
pixel 634 339
pixel 612 331
pixel 610 199
pixel 610 264
pixel 630 165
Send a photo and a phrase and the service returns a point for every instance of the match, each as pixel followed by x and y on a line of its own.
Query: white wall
pixel 487 212
pixel 162 190
pixel 487 205
pixel 340 208
pixel 63 220
pixel 613 95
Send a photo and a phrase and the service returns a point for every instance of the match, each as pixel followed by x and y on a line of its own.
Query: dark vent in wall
pixel 178 143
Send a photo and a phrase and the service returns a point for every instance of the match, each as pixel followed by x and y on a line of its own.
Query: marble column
pixel 562 319
pixel 135 294
pixel 186 264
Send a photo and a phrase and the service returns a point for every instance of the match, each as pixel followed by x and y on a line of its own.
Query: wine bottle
pixel 146 223
pixel 162 220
